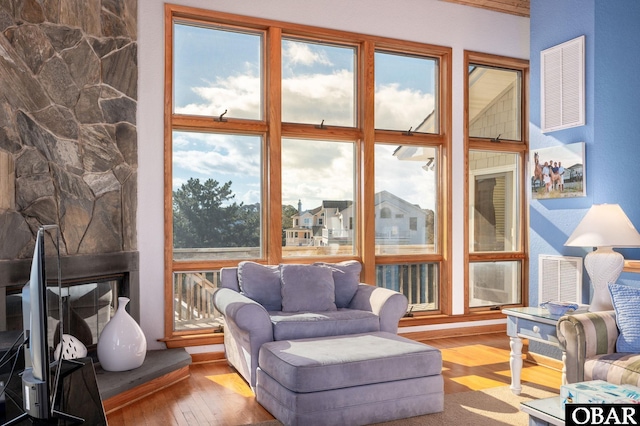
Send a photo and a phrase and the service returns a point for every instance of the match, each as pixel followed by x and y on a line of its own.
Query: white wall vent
pixel 562 103
pixel 559 278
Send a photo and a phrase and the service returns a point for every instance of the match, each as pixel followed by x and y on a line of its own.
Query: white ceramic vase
pixel 122 345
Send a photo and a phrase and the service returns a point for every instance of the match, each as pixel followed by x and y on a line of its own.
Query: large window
pixel 295 144
pixel 318 188
pixel 217 196
pixel 496 147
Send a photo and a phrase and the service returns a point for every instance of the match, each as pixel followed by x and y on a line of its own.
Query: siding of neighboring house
pixel 490 122
pixel 404 224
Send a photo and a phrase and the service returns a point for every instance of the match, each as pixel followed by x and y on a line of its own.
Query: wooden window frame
pixel 520 147
pixel 273 130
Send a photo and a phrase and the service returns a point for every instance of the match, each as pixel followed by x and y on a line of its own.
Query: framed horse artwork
pixel 558 171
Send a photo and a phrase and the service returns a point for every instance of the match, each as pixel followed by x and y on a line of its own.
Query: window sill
pixel 193 340
pixel 632 266
pixel 418 320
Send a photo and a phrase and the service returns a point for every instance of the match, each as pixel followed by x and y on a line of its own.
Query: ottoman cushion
pixel 305 325
pixel 312 365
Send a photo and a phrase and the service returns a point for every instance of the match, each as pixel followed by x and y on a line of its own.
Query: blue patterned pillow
pixel 626 302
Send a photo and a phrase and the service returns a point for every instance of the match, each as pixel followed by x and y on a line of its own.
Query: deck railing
pixel 416 281
pixel 193 300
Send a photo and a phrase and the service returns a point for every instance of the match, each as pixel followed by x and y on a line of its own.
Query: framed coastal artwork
pixel 558 171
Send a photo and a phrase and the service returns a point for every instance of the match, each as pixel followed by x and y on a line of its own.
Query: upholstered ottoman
pixel 349 380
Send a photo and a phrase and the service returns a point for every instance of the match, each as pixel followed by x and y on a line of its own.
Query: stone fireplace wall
pixel 68 139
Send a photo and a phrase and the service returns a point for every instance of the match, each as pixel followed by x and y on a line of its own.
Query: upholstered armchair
pixel 264 303
pixel 588 341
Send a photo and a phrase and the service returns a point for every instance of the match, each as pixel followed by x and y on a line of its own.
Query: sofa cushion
pixel 307 288
pixel 314 365
pixel 261 283
pixel 617 368
pixel 626 300
pixel 346 276
pixel 289 326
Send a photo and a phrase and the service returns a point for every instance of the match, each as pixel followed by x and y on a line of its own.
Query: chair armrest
pixel 389 305
pixel 245 313
pixel 582 336
pixel 247 328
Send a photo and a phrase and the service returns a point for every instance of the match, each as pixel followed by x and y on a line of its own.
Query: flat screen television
pixel 43 397
pixel 39 385
pixel 36 377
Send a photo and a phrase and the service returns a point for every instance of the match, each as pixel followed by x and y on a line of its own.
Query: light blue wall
pixel 611 136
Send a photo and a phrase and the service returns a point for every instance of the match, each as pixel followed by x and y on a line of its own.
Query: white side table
pixel 534 324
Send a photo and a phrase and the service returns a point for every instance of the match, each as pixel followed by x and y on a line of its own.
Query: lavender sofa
pixel 266 303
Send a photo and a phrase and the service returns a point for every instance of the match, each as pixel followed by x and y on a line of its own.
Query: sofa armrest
pixel 389 305
pixel 584 335
pixel 247 314
pixel 247 328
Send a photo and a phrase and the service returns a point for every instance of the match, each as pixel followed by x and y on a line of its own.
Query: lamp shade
pixel 604 225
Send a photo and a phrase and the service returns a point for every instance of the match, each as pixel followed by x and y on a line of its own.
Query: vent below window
pixel 562 86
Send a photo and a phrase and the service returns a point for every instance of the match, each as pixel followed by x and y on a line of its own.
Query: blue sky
pixel 220 70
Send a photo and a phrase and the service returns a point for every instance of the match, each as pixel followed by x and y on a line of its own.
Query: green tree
pixel 205 217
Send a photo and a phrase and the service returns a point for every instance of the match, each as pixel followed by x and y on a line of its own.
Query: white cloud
pixel 250 197
pixel 296 53
pixel 180 141
pixel 316 171
pixel 401 109
pixel 238 95
pixel 213 163
pixel 177 182
pixel 316 97
pixel 220 157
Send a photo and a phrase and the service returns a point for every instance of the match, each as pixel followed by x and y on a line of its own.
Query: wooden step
pixel 161 368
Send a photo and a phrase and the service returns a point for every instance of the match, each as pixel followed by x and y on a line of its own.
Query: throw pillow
pixel 307 288
pixel 626 300
pixel 346 276
pixel 260 283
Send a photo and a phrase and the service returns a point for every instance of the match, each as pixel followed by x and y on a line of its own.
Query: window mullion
pixel 203 123
pixel 273 175
pixel 367 169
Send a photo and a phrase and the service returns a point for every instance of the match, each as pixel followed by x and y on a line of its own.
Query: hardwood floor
pixel 215 395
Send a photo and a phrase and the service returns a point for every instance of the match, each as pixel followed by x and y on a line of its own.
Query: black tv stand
pixel 77 401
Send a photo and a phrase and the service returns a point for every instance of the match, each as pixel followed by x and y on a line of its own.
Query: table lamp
pixel 604 226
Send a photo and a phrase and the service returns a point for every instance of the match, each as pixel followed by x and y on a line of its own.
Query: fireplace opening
pixel 87 306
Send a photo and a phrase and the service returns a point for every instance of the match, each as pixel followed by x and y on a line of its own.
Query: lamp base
pixel 603 266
